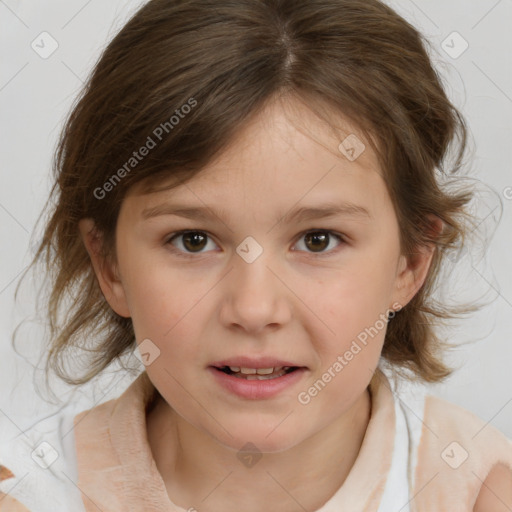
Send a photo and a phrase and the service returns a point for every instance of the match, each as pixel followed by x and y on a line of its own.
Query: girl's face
pixel 262 278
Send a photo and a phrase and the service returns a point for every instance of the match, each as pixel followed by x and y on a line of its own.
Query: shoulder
pixel 495 495
pixel 490 447
pixel 37 467
pixel 479 438
pixel 462 460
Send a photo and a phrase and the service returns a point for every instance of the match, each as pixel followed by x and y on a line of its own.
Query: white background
pixel 36 94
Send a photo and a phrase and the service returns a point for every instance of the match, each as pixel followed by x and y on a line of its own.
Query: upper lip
pixel 254 362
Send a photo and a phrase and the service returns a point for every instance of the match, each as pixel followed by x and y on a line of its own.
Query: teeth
pixel 258 376
pixel 255 371
pixel 265 371
pixel 248 371
pixel 258 373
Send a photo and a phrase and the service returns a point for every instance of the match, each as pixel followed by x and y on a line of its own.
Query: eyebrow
pixel 299 215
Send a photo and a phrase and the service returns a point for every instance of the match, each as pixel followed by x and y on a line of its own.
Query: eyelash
pixel 183 254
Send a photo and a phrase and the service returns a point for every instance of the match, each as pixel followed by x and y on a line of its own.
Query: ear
pixel 413 268
pixel 106 272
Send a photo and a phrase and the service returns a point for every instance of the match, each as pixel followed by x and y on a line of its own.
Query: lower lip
pixel 256 389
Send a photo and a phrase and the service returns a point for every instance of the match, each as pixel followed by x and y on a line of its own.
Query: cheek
pixel 350 311
pixel 157 300
pixel 353 298
pixel 167 310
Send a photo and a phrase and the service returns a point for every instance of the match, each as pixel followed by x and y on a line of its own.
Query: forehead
pixel 284 155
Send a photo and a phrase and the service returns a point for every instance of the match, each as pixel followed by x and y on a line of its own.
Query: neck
pixel 200 472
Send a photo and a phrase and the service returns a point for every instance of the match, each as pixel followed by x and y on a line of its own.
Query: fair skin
pixel 292 302
pixel 496 492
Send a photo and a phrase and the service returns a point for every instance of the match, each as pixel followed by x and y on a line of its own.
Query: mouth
pixel 262 383
pixel 256 373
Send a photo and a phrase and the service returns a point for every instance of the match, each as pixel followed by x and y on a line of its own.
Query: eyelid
pixel 183 254
pixel 325 254
pixel 343 239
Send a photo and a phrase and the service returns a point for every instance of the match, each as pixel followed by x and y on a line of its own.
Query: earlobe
pixel 106 273
pixel 413 268
pixel 411 278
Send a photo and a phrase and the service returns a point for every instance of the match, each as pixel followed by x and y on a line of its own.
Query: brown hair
pixel 225 61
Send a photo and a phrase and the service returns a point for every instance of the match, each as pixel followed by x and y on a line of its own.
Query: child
pixel 247 130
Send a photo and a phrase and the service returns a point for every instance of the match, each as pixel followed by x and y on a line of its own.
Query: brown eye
pixel 318 241
pixel 193 241
pixel 189 242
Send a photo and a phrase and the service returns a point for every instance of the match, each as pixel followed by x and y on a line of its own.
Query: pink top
pixel 419 454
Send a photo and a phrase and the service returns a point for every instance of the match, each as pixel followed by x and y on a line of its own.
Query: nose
pixel 255 296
